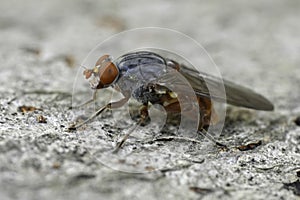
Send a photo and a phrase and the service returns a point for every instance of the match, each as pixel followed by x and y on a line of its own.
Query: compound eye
pixel 108 73
pixel 102 59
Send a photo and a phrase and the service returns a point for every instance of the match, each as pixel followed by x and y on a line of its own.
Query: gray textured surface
pixel 254 43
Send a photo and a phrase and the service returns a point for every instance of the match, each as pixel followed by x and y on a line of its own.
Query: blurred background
pixel 42 43
pixel 245 39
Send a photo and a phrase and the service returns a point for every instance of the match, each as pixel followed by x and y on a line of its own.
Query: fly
pixel 138 75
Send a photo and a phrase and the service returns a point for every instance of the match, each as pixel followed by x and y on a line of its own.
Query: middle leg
pixel 144 114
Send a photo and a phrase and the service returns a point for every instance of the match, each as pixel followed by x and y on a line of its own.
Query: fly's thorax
pixel 140 75
pixel 139 69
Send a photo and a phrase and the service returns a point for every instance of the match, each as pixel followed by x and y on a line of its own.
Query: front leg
pixel 111 105
pixel 87 102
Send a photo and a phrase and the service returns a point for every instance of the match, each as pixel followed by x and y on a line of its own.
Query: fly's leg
pixel 87 102
pixel 203 132
pixel 111 105
pixel 211 138
pixel 144 114
pixel 208 116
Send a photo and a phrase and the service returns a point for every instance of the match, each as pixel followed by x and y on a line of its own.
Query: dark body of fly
pixel 141 76
pixel 150 78
pixel 139 71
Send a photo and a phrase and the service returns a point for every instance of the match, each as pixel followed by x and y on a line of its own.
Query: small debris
pixel 175 168
pixel 71 128
pixel 80 177
pixel 56 165
pixel 198 161
pixel 41 119
pixel 149 168
pixel 32 50
pixel 265 168
pixel 297 121
pixel 250 146
pixel 25 109
pixel 200 190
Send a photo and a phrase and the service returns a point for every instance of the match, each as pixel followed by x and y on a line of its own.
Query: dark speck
pixel 200 190
pixel 297 121
pixel 81 177
pixel 298 173
pixel 110 131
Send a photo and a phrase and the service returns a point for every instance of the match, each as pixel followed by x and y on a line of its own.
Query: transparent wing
pixel 235 94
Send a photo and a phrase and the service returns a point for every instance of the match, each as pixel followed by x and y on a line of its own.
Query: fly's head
pixel 104 74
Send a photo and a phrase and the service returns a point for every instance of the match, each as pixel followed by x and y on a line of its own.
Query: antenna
pixel 82 66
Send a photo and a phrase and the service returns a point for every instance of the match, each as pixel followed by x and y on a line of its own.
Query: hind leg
pixel 208 115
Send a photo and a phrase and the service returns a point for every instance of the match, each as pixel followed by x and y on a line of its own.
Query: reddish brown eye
pixel 108 73
pixel 101 59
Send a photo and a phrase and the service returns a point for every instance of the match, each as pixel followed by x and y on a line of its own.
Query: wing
pixel 235 94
